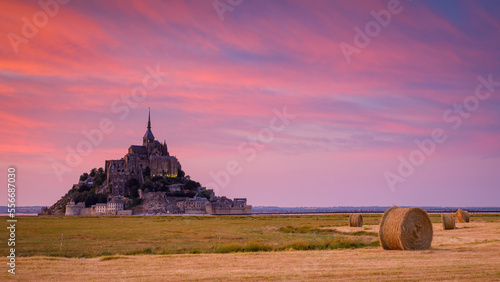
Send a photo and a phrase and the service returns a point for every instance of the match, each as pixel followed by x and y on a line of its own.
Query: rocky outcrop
pixel 154 202
pixel 56 209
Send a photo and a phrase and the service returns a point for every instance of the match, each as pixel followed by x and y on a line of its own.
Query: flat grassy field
pixel 100 236
pixel 259 248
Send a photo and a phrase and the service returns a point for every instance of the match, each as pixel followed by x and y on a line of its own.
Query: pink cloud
pixel 225 78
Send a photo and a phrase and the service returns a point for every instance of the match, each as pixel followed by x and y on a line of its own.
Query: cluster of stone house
pixel 159 203
pixel 220 205
pixel 237 206
pixel 164 205
pixel 114 206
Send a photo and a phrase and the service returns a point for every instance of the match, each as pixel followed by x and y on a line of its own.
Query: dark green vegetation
pixel 111 236
pixel 310 229
pixel 87 193
pixel 486 217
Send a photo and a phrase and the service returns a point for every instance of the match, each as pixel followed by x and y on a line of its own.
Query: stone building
pixel 99 209
pixel 223 205
pixel 73 208
pixel 198 205
pixel 151 157
pixel 114 206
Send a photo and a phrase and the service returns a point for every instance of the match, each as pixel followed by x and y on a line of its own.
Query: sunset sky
pixel 432 68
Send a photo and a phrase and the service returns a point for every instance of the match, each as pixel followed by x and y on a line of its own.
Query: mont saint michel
pixel 147 180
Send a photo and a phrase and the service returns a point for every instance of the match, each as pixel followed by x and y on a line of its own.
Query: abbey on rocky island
pixel 147 180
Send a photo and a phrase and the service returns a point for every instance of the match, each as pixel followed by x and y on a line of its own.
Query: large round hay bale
pixel 355 220
pixel 405 229
pixel 448 220
pixel 462 216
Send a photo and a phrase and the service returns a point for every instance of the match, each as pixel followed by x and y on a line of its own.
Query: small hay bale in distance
pixel 448 220
pixel 405 229
pixel 462 216
pixel 355 220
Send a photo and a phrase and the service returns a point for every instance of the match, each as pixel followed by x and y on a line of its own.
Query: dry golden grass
pixel 469 252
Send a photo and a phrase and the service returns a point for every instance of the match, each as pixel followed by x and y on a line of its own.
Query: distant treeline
pixel 363 209
pixel 22 210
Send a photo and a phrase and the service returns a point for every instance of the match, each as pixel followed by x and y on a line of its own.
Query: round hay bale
pixel 462 216
pixel 466 216
pixel 405 229
pixel 355 220
pixel 448 220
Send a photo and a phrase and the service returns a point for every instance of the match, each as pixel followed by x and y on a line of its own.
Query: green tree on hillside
pixel 192 185
pixel 84 188
pixel 181 174
pixel 84 176
pixel 205 193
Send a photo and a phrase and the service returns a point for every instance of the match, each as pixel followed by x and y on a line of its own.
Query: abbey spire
pixel 148 136
pixel 149 118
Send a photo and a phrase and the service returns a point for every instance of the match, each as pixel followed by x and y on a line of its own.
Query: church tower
pixel 148 138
